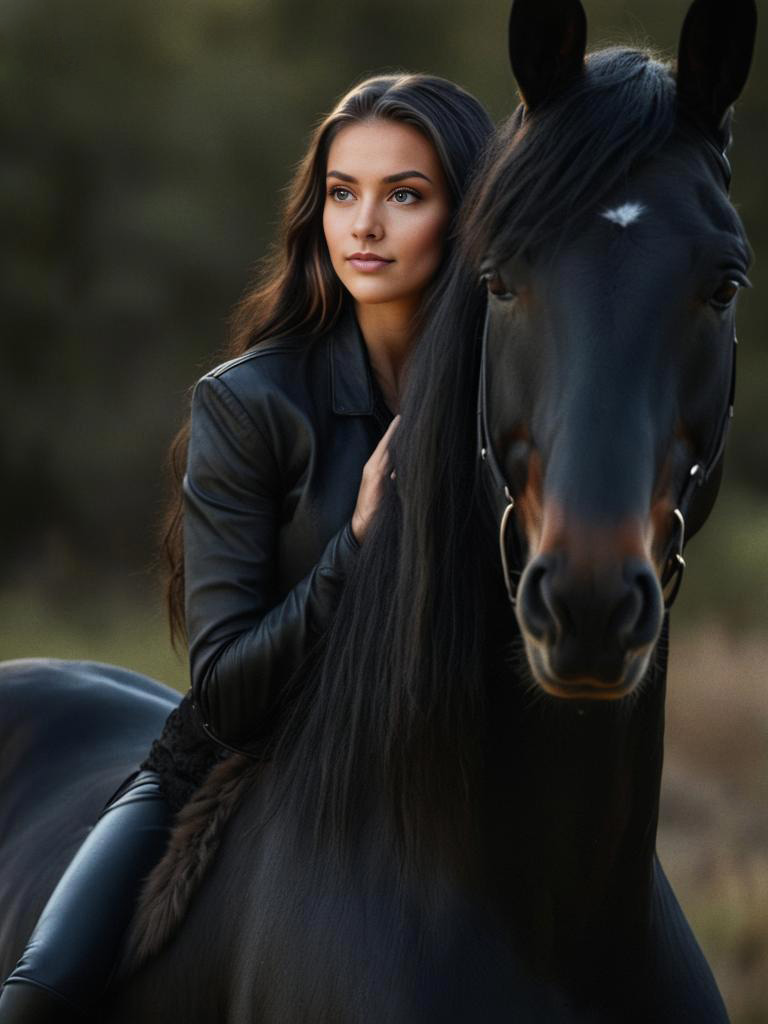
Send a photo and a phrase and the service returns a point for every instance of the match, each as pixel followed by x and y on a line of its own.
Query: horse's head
pixel 613 257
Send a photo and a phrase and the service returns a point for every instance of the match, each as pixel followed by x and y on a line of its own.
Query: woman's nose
pixel 367 224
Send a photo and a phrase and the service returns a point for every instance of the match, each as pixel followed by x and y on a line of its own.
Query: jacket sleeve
pixel 244 643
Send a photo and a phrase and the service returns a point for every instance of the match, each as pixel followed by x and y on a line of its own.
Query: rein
pixel 673 566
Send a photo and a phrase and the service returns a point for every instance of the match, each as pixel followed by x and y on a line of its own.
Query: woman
pixel 287 453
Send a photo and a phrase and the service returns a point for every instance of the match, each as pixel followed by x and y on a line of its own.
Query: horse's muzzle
pixel 589 627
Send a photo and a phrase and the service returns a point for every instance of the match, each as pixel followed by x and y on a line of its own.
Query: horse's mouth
pixel 584 686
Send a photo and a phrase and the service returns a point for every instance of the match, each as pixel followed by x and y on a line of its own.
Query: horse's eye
pixel 725 294
pixel 496 285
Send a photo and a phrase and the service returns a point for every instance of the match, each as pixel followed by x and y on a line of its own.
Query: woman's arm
pixel 244 645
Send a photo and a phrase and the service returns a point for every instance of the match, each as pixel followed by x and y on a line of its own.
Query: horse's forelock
pixel 556 165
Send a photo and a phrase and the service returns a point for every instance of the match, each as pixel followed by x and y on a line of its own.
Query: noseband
pixel 503 498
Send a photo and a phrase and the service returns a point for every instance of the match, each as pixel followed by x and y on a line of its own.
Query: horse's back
pixel 105 690
pixel 70 731
pixel 61 721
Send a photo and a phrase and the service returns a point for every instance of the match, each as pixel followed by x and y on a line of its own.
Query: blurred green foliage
pixel 144 149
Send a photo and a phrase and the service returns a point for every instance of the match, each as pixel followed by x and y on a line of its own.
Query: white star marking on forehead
pixel 625 215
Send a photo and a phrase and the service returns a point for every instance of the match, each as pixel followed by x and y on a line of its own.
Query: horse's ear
pixel 547 40
pixel 713 61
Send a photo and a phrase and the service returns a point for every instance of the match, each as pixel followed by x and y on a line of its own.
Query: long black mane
pixel 394 713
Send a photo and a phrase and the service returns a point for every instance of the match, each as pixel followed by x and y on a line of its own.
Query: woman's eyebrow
pixel 406 174
pixel 400 176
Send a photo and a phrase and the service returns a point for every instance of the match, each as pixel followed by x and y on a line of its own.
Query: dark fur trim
pixel 194 841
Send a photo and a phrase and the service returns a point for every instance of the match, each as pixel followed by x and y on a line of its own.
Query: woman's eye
pixel 725 294
pixel 497 287
pixel 405 196
pixel 342 194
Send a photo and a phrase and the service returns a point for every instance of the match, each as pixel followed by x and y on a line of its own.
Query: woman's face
pixel 387 208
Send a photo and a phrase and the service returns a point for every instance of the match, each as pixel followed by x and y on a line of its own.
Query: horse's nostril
pixel 643 626
pixel 533 607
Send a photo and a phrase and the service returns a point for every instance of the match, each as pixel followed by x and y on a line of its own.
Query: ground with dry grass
pixel 713 836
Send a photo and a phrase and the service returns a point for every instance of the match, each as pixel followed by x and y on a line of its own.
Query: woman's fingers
pixel 387 438
pixel 381 451
pixel 375 472
pixel 391 428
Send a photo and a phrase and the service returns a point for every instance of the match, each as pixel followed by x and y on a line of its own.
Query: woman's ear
pixel 547 40
pixel 714 58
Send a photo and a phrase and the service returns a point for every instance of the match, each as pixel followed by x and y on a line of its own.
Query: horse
pixel 457 820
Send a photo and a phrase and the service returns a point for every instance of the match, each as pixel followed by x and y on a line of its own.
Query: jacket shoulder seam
pixel 268 349
pixel 236 407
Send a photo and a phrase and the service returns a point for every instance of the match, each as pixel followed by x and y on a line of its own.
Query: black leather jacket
pixel 278 441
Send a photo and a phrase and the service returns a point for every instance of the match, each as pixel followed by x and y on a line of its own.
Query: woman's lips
pixel 367 262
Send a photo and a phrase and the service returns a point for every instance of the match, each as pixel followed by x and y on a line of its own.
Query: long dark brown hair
pixel 296 290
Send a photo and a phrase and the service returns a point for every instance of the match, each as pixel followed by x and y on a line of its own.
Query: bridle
pixel 503 498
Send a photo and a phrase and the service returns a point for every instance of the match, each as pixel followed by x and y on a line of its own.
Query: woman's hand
pixel 376 471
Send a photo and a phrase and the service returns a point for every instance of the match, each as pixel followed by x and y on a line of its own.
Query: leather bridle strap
pixel 698 475
pixel 494 479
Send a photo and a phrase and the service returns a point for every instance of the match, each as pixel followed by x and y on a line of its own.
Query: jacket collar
pixel 351 383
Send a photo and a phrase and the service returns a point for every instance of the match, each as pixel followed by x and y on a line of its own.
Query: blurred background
pixel 144 149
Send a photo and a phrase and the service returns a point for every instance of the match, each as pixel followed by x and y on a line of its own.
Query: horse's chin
pixel 585 687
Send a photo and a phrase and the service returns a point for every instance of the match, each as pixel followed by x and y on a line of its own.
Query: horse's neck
pixel 573 813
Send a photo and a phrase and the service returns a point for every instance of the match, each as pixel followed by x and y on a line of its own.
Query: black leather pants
pixel 71 953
